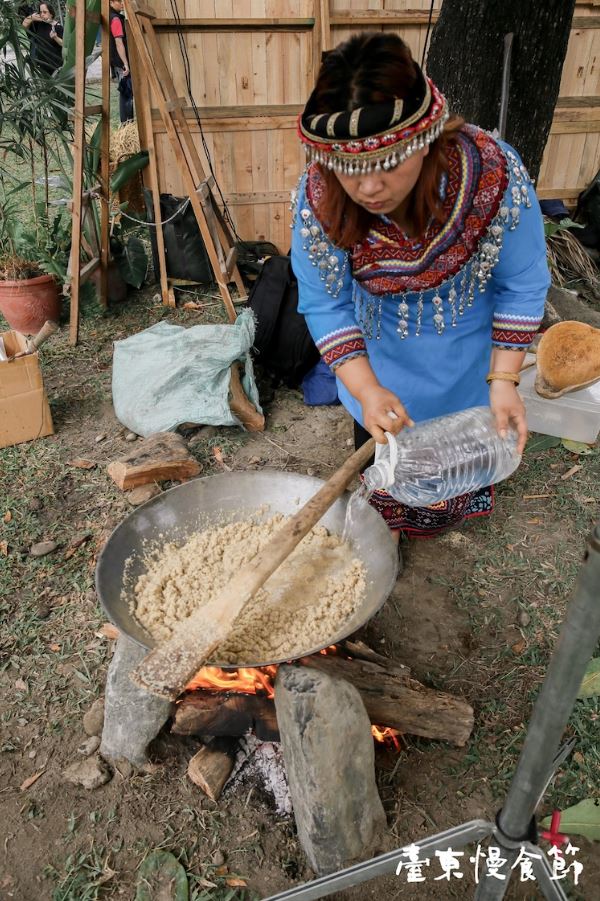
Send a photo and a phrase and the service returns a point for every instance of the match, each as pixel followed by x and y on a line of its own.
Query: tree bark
pixel 466 60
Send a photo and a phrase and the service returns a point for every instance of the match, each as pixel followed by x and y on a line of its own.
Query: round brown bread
pixel 568 357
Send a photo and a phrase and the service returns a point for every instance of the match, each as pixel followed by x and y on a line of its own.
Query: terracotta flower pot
pixel 28 303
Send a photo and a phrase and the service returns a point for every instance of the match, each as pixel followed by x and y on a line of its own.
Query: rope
pixel 425 45
pixel 177 212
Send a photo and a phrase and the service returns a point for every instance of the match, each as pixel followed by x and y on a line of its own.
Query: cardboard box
pixel 24 410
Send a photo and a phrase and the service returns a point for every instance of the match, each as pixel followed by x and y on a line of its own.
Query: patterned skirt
pixel 423 522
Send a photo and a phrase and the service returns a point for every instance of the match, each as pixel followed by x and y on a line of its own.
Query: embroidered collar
pixel 459 254
pixel 388 262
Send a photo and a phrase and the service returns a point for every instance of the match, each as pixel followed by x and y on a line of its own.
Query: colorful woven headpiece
pixel 375 137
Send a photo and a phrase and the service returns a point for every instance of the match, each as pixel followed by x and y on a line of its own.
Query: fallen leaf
pixel 234 882
pixel 162 876
pixel 577 447
pixel 590 686
pixel 519 646
pixel 218 455
pixel 4 548
pixel 571 472
pixel 107 630
pixel 31 780
pixel 221 871
pixel 190 305
pixel 540 443
pixel 7 516
pixel 205 883
pixel 76 543
pixel 20 685
pixel 54 647
pixel 82 464
pixel 579 758
pixel 581 819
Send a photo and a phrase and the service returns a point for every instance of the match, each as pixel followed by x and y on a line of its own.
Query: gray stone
pixel 42 548
pixel 131 436
pixel 330 761
pixel 90 773
pixel 141 494
pixel 89 746
pixel 132 716
pixel 93 720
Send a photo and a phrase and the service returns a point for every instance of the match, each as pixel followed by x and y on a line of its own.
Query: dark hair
pixel 49 7
pixel 371 68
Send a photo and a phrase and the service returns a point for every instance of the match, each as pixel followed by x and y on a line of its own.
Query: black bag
pixel 282 341
pixel 185 253
pixel 251 257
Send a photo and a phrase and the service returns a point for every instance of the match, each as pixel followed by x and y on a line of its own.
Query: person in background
pixel 119 59
pixel 46 38
pixel 418 245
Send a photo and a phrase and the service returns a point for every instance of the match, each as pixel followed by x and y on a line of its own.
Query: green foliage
pixel 551 227
pixel 582 819
pixel 161 876
pixel 590 686
pixel 125 171
pixel 132 261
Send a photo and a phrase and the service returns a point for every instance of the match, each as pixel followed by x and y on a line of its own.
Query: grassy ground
pixel 476 612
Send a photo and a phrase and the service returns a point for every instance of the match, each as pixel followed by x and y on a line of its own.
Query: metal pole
pixel 576 644
pixel 508 42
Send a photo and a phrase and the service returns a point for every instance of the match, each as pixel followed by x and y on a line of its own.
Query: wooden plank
pixel 160 81
pixel 78 153
pixel 564 194
pixel 253 24
pixel 578 102
pixel 94 109
pixel 574 126
pixel 105 154
pixel 86 271
pixel 361 18
pixel 580 22
pixel 254 197
pixel 271 111
pixel 142 10
pixel 325 25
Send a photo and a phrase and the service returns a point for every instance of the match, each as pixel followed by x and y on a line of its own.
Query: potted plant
pixel 32 268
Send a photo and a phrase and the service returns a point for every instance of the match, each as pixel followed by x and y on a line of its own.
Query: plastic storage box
pixel 575 415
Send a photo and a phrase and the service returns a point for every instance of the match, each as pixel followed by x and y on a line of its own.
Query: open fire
pixel 260 681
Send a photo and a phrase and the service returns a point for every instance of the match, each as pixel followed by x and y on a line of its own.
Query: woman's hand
pixel 377 403
pixel 509 410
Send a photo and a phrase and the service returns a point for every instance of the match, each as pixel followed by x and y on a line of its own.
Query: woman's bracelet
pixel 513 377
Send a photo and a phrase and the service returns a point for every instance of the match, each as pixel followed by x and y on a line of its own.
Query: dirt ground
pixel 475 612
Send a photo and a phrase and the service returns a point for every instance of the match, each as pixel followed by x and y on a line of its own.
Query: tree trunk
pixel 466 60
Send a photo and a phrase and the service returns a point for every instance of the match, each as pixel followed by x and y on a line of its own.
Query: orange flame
pixel 241 681
pixel 386 736
pixel 261 680
pixel 244 680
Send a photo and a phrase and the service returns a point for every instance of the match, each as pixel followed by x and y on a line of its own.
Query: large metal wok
pixel 202 503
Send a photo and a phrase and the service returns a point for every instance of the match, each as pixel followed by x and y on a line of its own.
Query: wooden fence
pixel 252 63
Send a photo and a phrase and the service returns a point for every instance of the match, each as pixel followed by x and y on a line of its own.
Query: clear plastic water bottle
pixel 442 458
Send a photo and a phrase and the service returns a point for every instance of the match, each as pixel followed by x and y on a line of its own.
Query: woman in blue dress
pixel 419 250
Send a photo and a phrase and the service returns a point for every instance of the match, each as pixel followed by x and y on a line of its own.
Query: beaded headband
pixel 375 137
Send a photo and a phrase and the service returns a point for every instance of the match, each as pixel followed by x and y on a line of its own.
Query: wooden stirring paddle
pixel 167 669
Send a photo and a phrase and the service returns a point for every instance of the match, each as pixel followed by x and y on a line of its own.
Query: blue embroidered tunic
pixel 426 311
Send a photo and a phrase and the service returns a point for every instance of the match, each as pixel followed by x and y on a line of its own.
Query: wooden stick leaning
pixel 169 668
